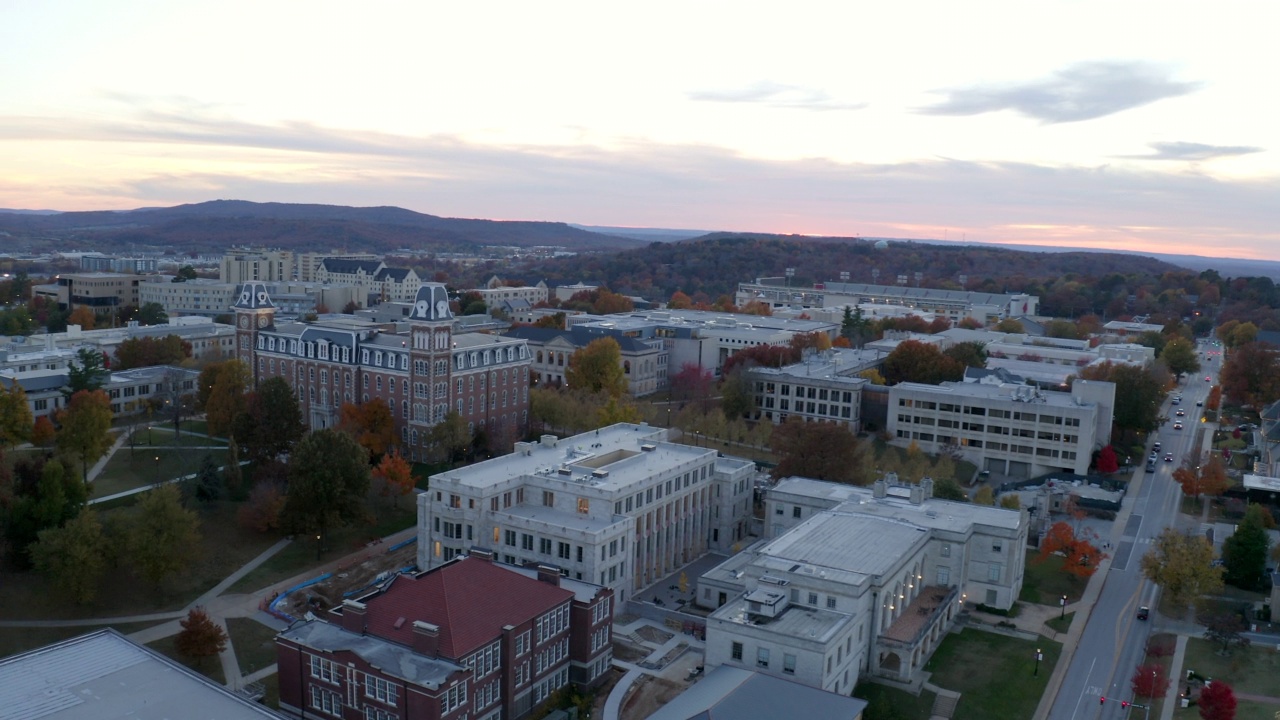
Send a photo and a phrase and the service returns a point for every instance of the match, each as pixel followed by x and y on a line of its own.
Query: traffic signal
pixel 1124 703
pixel 1102 700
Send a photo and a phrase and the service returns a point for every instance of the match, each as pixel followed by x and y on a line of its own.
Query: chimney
pixel 917 494
pixel 549 574
pixel 879 488
pixel 426 638
pixel 926 488
pixel 354 616
pixel 549 441
pixel 481 553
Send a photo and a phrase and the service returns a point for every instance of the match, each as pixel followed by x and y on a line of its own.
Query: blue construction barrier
pixel 404 543
pixel 274 610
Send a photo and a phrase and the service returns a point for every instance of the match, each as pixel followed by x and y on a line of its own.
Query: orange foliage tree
pixel 370 424
pixel 396 476
pixel 1209 479
pixel 1081 556
pixel 43 432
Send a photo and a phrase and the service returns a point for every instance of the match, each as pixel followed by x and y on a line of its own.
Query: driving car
pixel 1180 412
pixel 1207 379
pixel 1177 426
pixel 1144 612
pixel 1168 457
pixel 1199 403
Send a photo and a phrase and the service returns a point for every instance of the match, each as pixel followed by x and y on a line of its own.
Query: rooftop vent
pixel 774 580
pixel 599 473
pixel 564 470
pixel 648 447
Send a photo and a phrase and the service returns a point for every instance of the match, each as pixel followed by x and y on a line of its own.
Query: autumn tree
pixel 163 537
pixel 736 397
pixel 1217 701
pixel 1009 325
pixel 984 496
pixel 1208 479
pixel 1010 502
pixel 370 423
pixel 555 321
pixel 200 635
pixel 616 410
pixel 597 368
pixel 43 433
pixel 1081 556
pixel 692 382
pixel 86 428
pixel 220 392
pixel 16 422
pixel 271 422
pixel 1107 462
pixel 261 513
pixel 1150 680
pixel 1182 564
pixel 87 371
pixel 820 450
pixel 394 475
pixel 1245 551
pixel 1251 375
pixel 149 351
pixel 73 556
pixel 328 482
pixel 1180 356
pixel 82 316
pixel 679 301
pixel 450 439
pixel 915 361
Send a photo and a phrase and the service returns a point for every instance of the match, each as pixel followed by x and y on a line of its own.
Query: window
pixel 944 576
pixel 831 602
pixel 736 651
pixel 795 512
pixel 325 670
pixel 813 598
pixel 789 663
pixel 762 657
pixel 326 701
pixel 380 689
pixel 993 572
pixel 946 550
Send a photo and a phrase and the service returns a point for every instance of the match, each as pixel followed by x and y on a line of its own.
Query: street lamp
pixel 1064 607
pixel 157 470
pixel 1039 657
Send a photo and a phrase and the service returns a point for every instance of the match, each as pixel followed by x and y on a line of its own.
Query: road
pixel 1114 640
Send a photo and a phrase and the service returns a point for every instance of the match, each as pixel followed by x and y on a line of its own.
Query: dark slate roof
pixel 1271 412
pixel 431 303
pixel 253 296
pixel 577 336
pixel 516 305
pixel 350 267
pixel 395 274
pixel 470 600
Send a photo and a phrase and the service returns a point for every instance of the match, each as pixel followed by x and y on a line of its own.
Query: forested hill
pixel 713 265
pixel 212 226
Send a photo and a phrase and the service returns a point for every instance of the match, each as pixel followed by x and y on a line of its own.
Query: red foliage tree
pixel 1107 462
pixel 1081 557
pixel 200 635
pixel 1217 701
pixel 692 383
pixel 762 356
pixel 397 477
pixel 1150 681
pixel 43 432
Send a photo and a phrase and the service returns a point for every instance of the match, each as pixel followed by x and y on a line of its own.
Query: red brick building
pixel 421 375
pixel 470 640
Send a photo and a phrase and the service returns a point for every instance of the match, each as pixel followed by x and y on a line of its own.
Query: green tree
pixel 328 482
pixel 1138 395
pixel 736 398
pixel 1009 325
pixel 1010 502
pixel 948 489
pixel 1244 553
pixel 984 496
pixel 450 439
pixel 185 273
pixel 163 537
pixel 1182 565
pixel 200 635
pixel 616 411
pixel 151 314
pixel 820 450
pixel 46 496
pixel 86 428
pixel 597 368
pixel 86 372
pixel 73 556
pixel 271 422
pixel 16 423
pixel 1180 357
pixel 232 473
pixel 969 354
pixel 207 484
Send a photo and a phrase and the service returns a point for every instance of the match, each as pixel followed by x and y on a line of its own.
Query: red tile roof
pixel 470 600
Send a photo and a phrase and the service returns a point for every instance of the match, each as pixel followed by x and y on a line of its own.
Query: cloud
pixel 1193 151
pixel 770 94
pixel 1081 92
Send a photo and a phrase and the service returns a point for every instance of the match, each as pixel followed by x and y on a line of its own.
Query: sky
pixel 1140 126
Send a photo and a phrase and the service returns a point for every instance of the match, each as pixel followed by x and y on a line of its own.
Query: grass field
pixel 1061 624
pixel 1254 670
pixel 254 644
pixel 1005 684
pixel 886 703
pixel 16 640
pixel 129 469
pixel 1044 583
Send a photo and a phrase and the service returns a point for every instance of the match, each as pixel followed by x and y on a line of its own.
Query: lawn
pixel 300 555
pixel 16 640
pixel 1061 624
pixel 1003 684
pixel 223 549
pixel 886 703
pixel 1253 670
pixel 128 469
pixel 1245 710
pixel 254 643
pixel 1044 583
pixel 210 667
pixel 162 436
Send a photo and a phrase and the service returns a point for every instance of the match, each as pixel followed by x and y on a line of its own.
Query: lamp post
pixel 1039 657
pixel 668 418
pixel 1064 607
pixel 157 470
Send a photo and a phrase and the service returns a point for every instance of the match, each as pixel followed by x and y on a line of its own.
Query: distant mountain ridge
pixel 216 224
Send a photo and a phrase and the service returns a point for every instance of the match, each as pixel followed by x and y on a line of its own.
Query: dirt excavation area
pixel 358 578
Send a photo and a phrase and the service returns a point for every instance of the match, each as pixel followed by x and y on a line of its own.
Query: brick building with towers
pixel 421 374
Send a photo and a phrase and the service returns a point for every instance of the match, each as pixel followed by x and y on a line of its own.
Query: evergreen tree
pixel 1244 553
